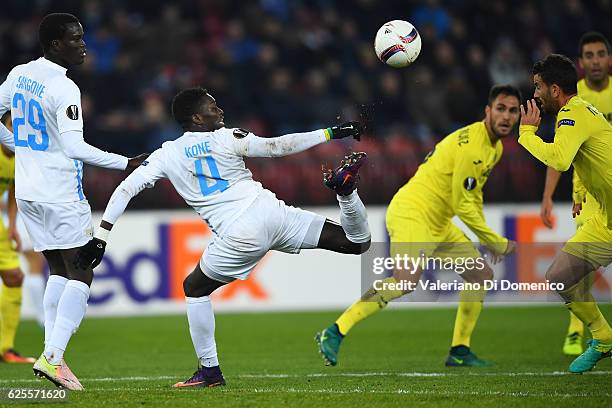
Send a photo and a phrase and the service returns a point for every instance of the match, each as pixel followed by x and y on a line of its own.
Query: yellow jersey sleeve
pixel 467 198
pixel 569 136
pixel 579 191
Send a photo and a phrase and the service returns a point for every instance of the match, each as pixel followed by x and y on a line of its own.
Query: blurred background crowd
pixel 282 66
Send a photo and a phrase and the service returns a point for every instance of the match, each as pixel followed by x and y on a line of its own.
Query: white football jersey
pixel 207 169
pixel 44 103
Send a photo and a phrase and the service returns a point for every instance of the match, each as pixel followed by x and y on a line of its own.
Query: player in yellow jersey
pixel 583 138
pixel 448 183
pixel 595 88
pixel 12 277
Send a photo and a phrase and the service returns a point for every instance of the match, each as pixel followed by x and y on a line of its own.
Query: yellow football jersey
pixel 583 137
pixel 601 100
pixel 7 171
pixel 450 182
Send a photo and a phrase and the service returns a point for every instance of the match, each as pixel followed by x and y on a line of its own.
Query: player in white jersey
pixel 49 152
pixel 206 167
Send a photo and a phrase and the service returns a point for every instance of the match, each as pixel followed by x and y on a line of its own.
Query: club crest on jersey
pixel 73 112
pixel 145 163
pixel 469 183
pixel 566 122
pixel 240 133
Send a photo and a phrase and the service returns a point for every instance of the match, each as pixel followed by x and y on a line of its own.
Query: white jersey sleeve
pixel 143 177
pixel 76 148
pixel 6 137
pixel 255 146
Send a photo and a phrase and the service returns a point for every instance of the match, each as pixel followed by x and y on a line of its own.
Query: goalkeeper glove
pixel 90 255
pixel 347 129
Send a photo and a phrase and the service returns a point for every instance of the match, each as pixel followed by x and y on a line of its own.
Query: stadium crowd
pixel 280 66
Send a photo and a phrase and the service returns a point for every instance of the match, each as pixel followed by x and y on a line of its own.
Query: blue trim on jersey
pixel 79 176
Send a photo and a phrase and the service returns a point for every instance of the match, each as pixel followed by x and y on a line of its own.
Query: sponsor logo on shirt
pixel 566 122
pixel 72 112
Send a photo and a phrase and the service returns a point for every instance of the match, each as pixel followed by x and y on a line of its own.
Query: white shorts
pixel 268 224
pixel 57 225
pixel 26 242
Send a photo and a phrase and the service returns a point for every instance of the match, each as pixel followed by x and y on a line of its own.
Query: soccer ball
pixel 397 43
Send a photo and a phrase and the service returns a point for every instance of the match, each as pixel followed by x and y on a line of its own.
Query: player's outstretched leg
pixel 353 236
pixel 198 288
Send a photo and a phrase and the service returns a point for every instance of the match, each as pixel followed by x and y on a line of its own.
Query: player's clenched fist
pixel 532 115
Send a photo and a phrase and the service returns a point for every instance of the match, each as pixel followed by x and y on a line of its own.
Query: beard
pixel 548 105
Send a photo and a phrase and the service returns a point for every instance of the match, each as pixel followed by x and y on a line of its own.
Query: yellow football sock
pixel 470 305
pixel 10 313
pixel 579 292
pixel 575 325
pixel 371 302
pixel 591 316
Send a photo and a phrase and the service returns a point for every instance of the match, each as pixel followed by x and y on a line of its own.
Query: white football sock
pixel 202 328
pixel 70 311
pixel 53 293
pixel 36 288
pixel 354 218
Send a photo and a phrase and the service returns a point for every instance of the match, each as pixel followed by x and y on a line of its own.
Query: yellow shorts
pixel 8 256
pixel 592 241
pixel 410 235
pixel 589 208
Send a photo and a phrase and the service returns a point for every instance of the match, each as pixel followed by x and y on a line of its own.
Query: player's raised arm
pixel 467 201
pixel 255 146
pixel 144 176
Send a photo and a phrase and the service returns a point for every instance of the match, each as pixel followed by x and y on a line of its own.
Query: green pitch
pixel 393 359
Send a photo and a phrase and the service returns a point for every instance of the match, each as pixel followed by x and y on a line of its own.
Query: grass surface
pixel 392 359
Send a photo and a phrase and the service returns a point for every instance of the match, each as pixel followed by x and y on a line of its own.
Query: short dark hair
pixel 497 90
pixel 186 103
pixel 592 37
pixel 53 27
pixel 558 69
